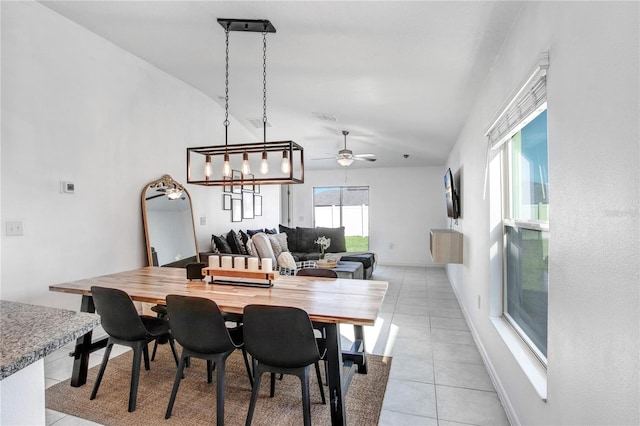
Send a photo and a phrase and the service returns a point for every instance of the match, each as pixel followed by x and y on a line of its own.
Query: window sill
pixel 530 365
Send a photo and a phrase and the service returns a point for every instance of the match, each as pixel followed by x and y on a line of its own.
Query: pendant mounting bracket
pixel 247 25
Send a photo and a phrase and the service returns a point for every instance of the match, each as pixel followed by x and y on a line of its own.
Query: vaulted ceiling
pixel 401 77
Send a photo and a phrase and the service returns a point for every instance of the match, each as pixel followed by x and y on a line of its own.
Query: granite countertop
pixel 30 332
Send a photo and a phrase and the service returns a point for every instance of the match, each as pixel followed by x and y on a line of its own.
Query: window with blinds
pixel 520 135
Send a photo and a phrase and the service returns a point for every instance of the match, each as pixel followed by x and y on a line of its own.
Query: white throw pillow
pixel 286 260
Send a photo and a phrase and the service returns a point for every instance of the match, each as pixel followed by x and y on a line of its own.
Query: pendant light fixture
pixel 223 165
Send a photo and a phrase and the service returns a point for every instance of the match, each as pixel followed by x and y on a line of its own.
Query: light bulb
pixel 285 167
pixel 207 167
pixel 246 169
pixel 226 167
pixel 264 165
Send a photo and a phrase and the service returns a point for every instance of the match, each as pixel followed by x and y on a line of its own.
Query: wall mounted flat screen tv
pixel 453 205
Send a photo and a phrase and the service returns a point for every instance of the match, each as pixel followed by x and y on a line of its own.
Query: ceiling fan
pixel 345 156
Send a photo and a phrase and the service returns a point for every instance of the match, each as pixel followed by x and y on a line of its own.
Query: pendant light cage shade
pixel 230 164
pixel 197 157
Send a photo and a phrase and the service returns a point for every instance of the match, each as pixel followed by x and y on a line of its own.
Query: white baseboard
pixel 493 375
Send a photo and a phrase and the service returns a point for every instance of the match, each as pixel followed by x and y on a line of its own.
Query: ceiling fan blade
pixel 364 155
pixel 326 158
pixel 364 158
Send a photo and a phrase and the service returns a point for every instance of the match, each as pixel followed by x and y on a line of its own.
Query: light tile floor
pixel 437 375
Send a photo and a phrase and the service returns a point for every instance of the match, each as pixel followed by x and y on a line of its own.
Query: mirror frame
pixel 165 181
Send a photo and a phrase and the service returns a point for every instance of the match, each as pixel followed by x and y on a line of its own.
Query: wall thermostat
pixel 67 187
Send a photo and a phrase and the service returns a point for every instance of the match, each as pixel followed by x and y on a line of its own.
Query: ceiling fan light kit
pixel 346 157
pixel 215 165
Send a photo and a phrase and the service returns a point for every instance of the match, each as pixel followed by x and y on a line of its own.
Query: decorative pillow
pixel 252 232
pixel 214 249
pixel 244 237
pixel 306 240
pixel 338 244
pixel 262 247
pixel 250 250
pixel 270 231
pixel 285 260
pixel 221 244
pixel 291 237
pixel 234 243
pixel 275 245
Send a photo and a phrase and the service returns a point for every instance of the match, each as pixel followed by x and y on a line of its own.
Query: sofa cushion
pixel 262 247
pixel 270 231
pixel 278 243
pixel 252 232
pixel 244 237
pixel 221 244
pixel 305 240
pixel 367 259
pixel 292 242
pixel 336 235
pixel 234 242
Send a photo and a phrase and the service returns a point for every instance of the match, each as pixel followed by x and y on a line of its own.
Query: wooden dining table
pixel 329 302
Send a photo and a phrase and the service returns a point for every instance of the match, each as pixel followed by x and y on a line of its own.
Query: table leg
pixel 83 348
pixel 358 332
pixel 334 377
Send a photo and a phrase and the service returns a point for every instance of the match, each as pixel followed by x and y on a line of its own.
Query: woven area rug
pixel 196 401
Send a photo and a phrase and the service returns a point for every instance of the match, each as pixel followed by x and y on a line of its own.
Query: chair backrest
pixel 317 272
pixel 118 315
pixel 197 324
pixel 279 336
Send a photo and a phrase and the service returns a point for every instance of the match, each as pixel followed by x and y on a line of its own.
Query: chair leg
pixel 210 367
pixel 220 391
pixel 145 351
pixel 176 384
pixel 272 392
pixel 173 349
pixel 135 373
pixel 254 393
pixel 319 376
pixel 103 366
pixel 155 348
pixel 246 365
pixel 306 400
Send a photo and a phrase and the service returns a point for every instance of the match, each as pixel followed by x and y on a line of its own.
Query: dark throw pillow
pixel 221 244
pixel 292 241
pixel 306 240
pixel 270 231
pixel 235 243
pixel 338 244
pixel 252 232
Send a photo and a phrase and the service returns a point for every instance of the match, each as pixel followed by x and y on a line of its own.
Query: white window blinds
pixel 531 97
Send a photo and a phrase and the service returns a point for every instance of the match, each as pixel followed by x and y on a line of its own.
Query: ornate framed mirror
pixel 168 224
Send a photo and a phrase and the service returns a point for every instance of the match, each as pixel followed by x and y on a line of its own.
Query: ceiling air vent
pixel 326 117
pixel 257 122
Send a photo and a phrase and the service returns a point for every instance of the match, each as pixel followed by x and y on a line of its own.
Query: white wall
pixel 593 362
pixel 404 203
pixel 78 108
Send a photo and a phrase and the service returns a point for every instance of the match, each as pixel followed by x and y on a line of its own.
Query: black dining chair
pixel 199 326
pixel 124 326
pixel 322 340
pixel 280 340
pixel 317 272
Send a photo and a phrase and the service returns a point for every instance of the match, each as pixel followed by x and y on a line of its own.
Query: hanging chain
pixel 226 86
pixel 264 85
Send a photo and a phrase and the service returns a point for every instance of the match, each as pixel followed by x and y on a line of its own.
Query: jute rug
pixel 196 401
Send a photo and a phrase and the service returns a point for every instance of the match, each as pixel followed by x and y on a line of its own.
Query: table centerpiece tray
pixel 249 278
